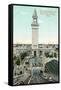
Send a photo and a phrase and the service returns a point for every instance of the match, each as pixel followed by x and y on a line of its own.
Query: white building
pixel 35 28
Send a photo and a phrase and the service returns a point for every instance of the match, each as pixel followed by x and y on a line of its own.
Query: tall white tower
pixel 35 26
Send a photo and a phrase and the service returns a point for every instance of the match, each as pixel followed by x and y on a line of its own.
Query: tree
pixel 14 57
pixel 52 67
pixel 23 55
pixel 56 49
pixel 47 54
pixel 20 72
pixel 51 55
pixel 55 55
pixel 18 62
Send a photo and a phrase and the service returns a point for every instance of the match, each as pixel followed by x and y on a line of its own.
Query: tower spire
pixel 34 14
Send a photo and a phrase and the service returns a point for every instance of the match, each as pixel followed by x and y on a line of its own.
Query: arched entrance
pixel 34 53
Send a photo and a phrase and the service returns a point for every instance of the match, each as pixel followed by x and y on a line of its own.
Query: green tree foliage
pixel 23 55
pixel 52 67
pixel 51 56
pixel 47 54
pixel 56 49
pixel 55 55
pixel 20 72
pixel 14 58
pixel 18 61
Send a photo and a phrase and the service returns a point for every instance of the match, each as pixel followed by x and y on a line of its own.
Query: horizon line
pixel 31 43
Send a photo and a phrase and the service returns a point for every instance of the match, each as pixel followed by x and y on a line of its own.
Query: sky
pixel 47 20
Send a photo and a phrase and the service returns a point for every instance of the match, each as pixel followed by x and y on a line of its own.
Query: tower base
pixel 35 52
